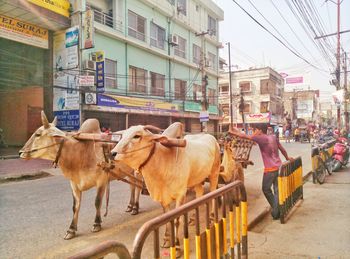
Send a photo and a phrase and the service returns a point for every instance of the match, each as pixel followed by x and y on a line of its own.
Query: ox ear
pixel 54 122
pixel 44 120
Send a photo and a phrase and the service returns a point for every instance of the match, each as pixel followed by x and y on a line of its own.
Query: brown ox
pixel 169 170
pixel 78 161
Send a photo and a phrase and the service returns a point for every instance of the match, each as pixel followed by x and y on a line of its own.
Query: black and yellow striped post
pixel 314 162
pixel 290 186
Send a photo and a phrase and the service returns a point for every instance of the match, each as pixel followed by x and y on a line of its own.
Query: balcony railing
pixel 107 20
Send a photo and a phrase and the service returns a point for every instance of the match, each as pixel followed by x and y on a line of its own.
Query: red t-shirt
pixel 268 145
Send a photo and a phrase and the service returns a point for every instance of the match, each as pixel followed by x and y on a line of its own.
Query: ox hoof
pixel 69 235
pixel 135 211
pixel 96 228
pixel 129 208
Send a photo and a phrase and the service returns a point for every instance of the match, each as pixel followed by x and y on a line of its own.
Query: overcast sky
pixel 251 46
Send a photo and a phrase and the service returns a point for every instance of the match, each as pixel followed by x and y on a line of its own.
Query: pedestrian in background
pixel 269 146
pixel 287 135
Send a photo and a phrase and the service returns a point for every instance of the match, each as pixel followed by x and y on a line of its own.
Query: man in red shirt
pixel 269 146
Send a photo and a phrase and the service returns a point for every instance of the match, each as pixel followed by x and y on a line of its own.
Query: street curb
pixel 24 177
pixel 9 157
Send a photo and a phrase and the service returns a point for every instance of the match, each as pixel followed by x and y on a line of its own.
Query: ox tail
pixel 107 198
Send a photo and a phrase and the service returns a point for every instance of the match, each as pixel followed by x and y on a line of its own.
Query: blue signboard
pixel 100 76
pixel 68 119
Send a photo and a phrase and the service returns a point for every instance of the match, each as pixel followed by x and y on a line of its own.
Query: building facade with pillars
pixel 26 35
pixel 261 90
pixel 154 56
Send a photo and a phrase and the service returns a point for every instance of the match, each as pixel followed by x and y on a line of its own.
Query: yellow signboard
pixel 58 6
pixel 24 32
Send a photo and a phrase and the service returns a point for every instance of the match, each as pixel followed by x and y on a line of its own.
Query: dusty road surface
pixel 319 227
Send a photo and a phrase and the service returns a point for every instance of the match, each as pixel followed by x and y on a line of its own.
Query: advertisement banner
pixel 72 36
pixel 23 32
pixel 88 30
pixel 68 120
pixel 58 6
pixel 100 76
pixel 257 118
pixel 338 97
pixel 135 103
pixel 304 109
pixel 295 80
pixel 72 57
pixel 65 94
pixel 86 80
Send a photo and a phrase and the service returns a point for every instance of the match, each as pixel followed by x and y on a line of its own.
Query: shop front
pixel 25 77
pixel 121 112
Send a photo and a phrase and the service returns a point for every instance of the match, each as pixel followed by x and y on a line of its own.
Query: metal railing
pixel 226 238
pixel 290 186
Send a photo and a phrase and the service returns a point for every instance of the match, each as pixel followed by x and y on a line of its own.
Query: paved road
pixel 36 214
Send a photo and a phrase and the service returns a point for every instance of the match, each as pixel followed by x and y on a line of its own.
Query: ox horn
pixel 54 122
pixel 152 128
pixel 172 142
pixel 44 120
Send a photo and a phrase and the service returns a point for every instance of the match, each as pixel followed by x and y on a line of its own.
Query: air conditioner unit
pixel 90 98
pixel 174 40
pixel 89 65
pixel 208 63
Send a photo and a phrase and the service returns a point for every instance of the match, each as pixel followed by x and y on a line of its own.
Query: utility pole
pixel 204 102
pixel 230 84
pixel 346 113
pixel 337 71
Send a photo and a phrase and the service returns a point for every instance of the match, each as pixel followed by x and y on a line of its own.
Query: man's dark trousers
pixel 269 180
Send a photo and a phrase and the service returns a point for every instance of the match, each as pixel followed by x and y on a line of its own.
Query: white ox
pixel 78 161
pixel 169 170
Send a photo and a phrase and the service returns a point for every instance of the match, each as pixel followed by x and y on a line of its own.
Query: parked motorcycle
pixel 341 154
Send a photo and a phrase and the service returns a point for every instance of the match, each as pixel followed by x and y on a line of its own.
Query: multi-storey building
pixel 302 105
pixel 154 62
pixel 256 92
pixel 160 59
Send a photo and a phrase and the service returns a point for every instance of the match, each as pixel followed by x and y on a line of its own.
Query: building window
pixel 157 84
pixel 212 60
pixel 137 80
pixel 157 36
pixel 136 26
pixel 111 73
pixel 212 96
pixel 180 89
pixel 247 107
pixel 264 106
pixel 196 54
pixel 211 25
pixel 197 92
pixel 264 86
pixel 245 86
pixel 181 6
pixel 180 49
pixel 224 89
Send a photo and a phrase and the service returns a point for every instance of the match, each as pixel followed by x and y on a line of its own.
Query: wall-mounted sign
pixel 23 32
pixel 86 80
pixel 58 6
pixel 68 120
pixel 72 36
pixel 135 103
pixel 88 29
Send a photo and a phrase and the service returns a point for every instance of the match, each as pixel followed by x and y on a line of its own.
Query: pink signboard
pixel 294 80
